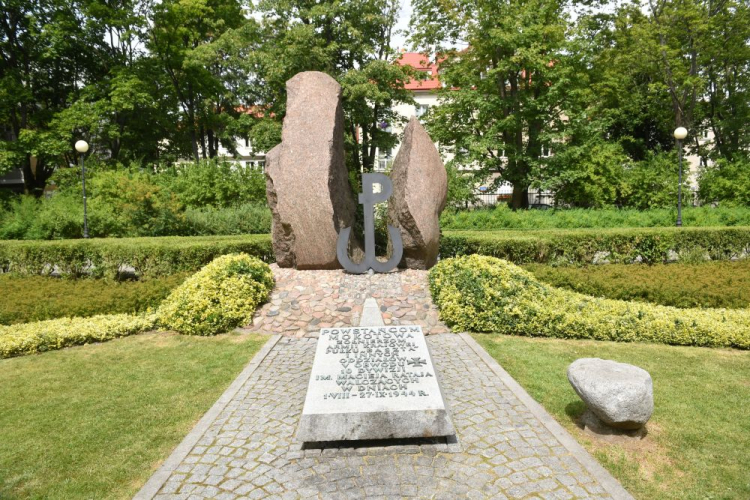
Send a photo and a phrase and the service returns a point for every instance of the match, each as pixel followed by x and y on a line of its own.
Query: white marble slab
pixel 373 383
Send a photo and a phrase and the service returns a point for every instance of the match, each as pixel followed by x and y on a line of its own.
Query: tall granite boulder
pixel 307 185
pixel 420 189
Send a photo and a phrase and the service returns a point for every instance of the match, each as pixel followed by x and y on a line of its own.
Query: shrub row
pixel 222 295
pixel 585 246
pixel 148 257
pixel 707 284
pixel 502 217
pixel 41 336
pixel 38 298
pixel 484 294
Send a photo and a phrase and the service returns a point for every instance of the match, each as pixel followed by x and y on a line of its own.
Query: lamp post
pixel 82 147
pixel 679 133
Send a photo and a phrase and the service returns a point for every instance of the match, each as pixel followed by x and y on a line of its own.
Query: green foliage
pixel 149 257
pixel 727 182
pixel 484 294
pixel 221 296
pixel 249 218
pixel 708 284
pixel 653 183
pixel 501 217
pixel 216 184
pixel 37 298
pixel 576 247
pixel 41 336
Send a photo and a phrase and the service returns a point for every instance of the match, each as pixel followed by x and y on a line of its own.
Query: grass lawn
pixel 698 444
pixel 705 284
pixel 95 421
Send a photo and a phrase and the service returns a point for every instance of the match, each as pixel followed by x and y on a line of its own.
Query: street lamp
pixel 82 147
pixel 679 133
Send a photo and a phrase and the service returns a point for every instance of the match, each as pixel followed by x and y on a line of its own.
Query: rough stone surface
pixel 420 188
pixel 621 395
pixel 371 382
pixel 503 451
pixel 303 302
pixel 307 184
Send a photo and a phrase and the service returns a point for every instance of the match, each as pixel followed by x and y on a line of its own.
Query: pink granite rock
pixel 420 189
pixel 307 185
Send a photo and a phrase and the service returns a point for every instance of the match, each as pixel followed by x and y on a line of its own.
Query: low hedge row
pixel 41 336
pixel 485 294
pixel 649 245
pixel 106 257
pixel 222 295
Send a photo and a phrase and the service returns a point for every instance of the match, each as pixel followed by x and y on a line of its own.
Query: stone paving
pixel 303 302
pixel 503 448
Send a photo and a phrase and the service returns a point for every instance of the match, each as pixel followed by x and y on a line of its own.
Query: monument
pixel 373 382
pixel 307 184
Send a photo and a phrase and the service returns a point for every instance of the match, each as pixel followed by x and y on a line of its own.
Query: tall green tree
pixel 504 97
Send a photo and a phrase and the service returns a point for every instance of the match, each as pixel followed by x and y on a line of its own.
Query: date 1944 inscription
pixel 376 362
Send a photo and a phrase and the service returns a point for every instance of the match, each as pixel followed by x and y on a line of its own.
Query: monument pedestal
pixel 373 383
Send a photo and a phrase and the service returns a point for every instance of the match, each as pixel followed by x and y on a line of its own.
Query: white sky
pixel 399 40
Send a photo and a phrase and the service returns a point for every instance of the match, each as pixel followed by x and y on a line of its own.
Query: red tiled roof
pixel 421 62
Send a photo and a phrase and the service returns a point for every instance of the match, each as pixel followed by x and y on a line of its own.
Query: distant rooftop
pixel 422 63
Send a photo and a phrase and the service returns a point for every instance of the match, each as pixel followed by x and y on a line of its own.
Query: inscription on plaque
pixel 373 383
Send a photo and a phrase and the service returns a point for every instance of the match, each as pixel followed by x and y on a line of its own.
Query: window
pixel 422 109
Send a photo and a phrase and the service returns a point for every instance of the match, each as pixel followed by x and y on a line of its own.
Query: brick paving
pixel 247 449
pixel 303 302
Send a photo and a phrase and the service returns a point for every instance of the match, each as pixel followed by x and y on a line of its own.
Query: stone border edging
pixel 157 480
pixel 608 482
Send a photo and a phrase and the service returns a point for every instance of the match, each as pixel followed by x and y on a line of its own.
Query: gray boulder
pixel 307 184
pixel 621 395
pixel 420 189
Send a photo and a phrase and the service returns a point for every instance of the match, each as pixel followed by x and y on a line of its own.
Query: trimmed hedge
pixel 222 295
pixel 648 245
pixel 39 298
pixel 41 336
pixel 150 257
pixel 485 294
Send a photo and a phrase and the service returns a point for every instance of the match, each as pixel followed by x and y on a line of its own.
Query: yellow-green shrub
pixel 222 295
pixel 40 336
pixel 485 294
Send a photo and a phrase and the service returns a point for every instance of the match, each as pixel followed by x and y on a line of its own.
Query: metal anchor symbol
pixel 368 199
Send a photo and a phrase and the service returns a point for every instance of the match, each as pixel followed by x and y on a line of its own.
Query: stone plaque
pixel 373 383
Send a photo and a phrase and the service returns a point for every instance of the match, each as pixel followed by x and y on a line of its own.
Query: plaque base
pixel 372 383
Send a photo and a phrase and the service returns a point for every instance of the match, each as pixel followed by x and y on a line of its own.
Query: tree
pixel 504 97
pixel 351 41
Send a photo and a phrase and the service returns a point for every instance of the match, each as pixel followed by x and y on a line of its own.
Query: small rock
pixel 621 395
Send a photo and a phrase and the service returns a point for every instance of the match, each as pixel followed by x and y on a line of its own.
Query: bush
pixel 149 257
pixel 484 294
pixel 502 217
pixel 37 298
pixel 707 284
pixel 587 246
pixel 250 218
pixel 41 336
pixel 222 295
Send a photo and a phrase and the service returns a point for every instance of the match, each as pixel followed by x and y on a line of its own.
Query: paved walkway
pixel 303 302
pixel 507 446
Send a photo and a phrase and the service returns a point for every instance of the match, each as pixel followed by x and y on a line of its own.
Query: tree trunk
pixel 520 197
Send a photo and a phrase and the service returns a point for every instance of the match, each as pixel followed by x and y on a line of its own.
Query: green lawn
pixel 705 284
pixel 95 421
pixel 699 436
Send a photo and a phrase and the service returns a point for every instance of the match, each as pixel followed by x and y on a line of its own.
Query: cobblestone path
pixel 303 302
pixel 505 447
